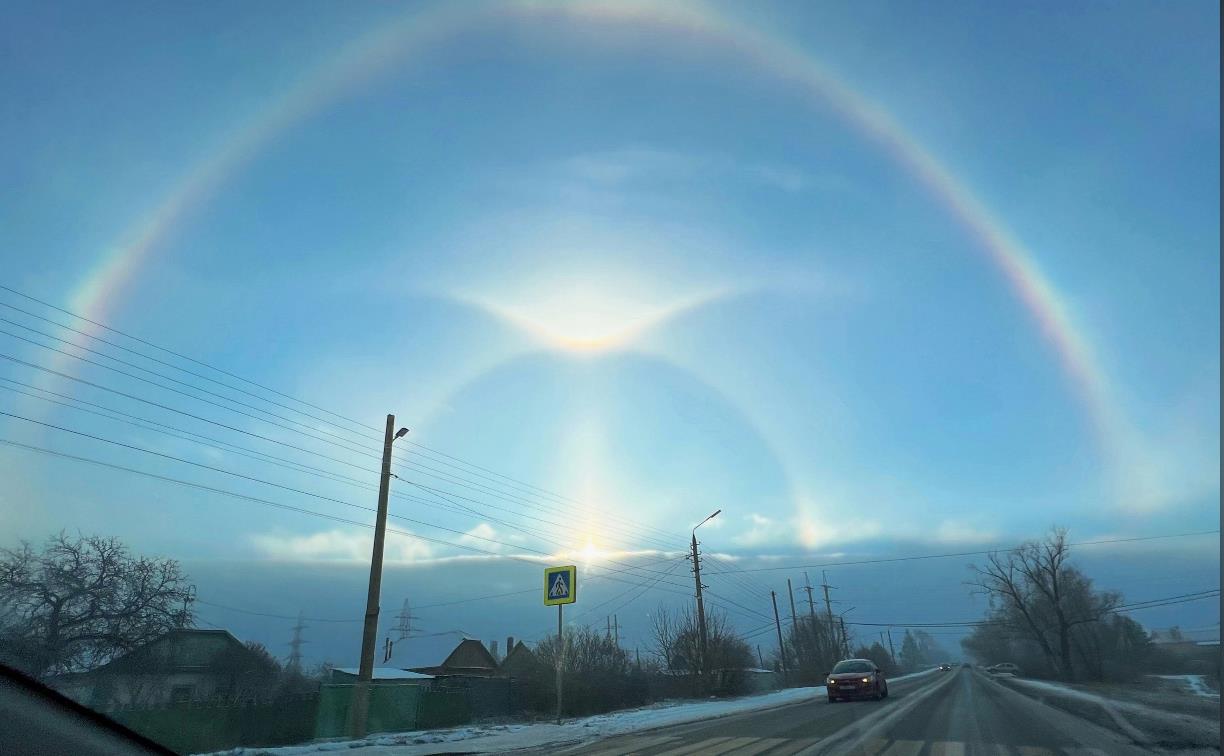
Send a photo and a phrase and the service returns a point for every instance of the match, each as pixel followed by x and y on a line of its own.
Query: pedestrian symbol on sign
pixel 560 585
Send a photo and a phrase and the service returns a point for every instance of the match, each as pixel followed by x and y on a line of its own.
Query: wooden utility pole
pixel 778 624
pixel 361 691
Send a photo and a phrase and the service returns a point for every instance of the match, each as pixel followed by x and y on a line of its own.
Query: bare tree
pixel 1041 598
pixel 81 601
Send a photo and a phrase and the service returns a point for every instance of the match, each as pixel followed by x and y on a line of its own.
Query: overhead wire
pixel 364 436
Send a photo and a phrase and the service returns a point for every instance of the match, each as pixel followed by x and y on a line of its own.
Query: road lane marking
pixel 729 745
pixel 700 747
pixel 947 748
pixel 762 745
pixel 905 748
pixel 631 745
pixel 794 746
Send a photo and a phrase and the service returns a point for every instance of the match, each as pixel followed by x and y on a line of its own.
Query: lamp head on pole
pixel 703 522
pixel 400 434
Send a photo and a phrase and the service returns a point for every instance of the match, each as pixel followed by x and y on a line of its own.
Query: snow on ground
pixel 508 737
pixel 1166 718
pixel 1196 683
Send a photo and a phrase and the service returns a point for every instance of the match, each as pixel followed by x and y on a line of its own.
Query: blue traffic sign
pixel 560 585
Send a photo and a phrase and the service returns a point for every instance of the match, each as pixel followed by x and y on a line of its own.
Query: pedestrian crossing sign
pixel 560 585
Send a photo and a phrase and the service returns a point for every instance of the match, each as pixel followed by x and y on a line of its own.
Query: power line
pixel 143 355
pixel 256 499
pixel 147 370
pixel 269 483
pixel 181 356
pixel 259 456
pixel 201 399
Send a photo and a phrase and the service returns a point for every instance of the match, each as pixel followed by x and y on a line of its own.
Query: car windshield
pixel 372 372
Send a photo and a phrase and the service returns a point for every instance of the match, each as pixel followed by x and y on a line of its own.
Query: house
pixel 381 676
pixel 469 659
pixel 519 661
pixel 179 666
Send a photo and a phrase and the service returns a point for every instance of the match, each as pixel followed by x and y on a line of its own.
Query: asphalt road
pixel 959 713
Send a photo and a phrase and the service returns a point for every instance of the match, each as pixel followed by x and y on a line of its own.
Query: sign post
pixel 560 588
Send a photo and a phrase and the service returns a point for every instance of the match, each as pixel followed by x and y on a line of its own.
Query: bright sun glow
pixel 584 318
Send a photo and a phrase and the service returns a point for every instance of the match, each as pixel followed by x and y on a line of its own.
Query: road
pixel 959 713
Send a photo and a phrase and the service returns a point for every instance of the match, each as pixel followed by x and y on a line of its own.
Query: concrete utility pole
pixel 891 653
pixel 701 621
pixel 778 624
pixel 360 709
pixel 845 641
pixel 615 631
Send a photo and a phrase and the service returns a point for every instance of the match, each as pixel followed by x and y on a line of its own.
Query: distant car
pixel 945 667
pixel 856 678
pixel 1006 668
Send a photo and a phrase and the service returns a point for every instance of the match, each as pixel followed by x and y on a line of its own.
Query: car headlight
pixel 866 679
pixel 832 681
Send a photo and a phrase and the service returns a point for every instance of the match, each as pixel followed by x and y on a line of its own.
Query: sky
pixel 871 279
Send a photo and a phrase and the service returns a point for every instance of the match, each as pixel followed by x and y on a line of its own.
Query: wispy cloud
pixel 339 545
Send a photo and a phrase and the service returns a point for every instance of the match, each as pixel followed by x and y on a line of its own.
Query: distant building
pixel 180 666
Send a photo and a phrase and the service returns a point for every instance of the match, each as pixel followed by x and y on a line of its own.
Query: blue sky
pixel 794 328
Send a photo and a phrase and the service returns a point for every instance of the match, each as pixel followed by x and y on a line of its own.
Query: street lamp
pixel 701 623
pixel 365 673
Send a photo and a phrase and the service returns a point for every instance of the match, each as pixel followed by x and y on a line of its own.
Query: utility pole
pixel 701 623
pixel 760 657
pixel 608 632
pixel 845 641
pixel 294 664
pixel 794 619
pixel 615 631
pixel 891 652
pixel 828 604
pixel 778 624
pixel 811 604
pixel 365 673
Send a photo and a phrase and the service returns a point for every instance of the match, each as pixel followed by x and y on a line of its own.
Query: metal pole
pixel 778 624
pixel 361 691
pixel 701 623
pixel 560 655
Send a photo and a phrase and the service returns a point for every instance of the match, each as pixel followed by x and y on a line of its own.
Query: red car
pixel 856 678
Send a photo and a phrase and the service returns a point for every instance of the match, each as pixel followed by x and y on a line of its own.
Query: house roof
pixel 386 673
pixel 470 654
pixel 180 649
